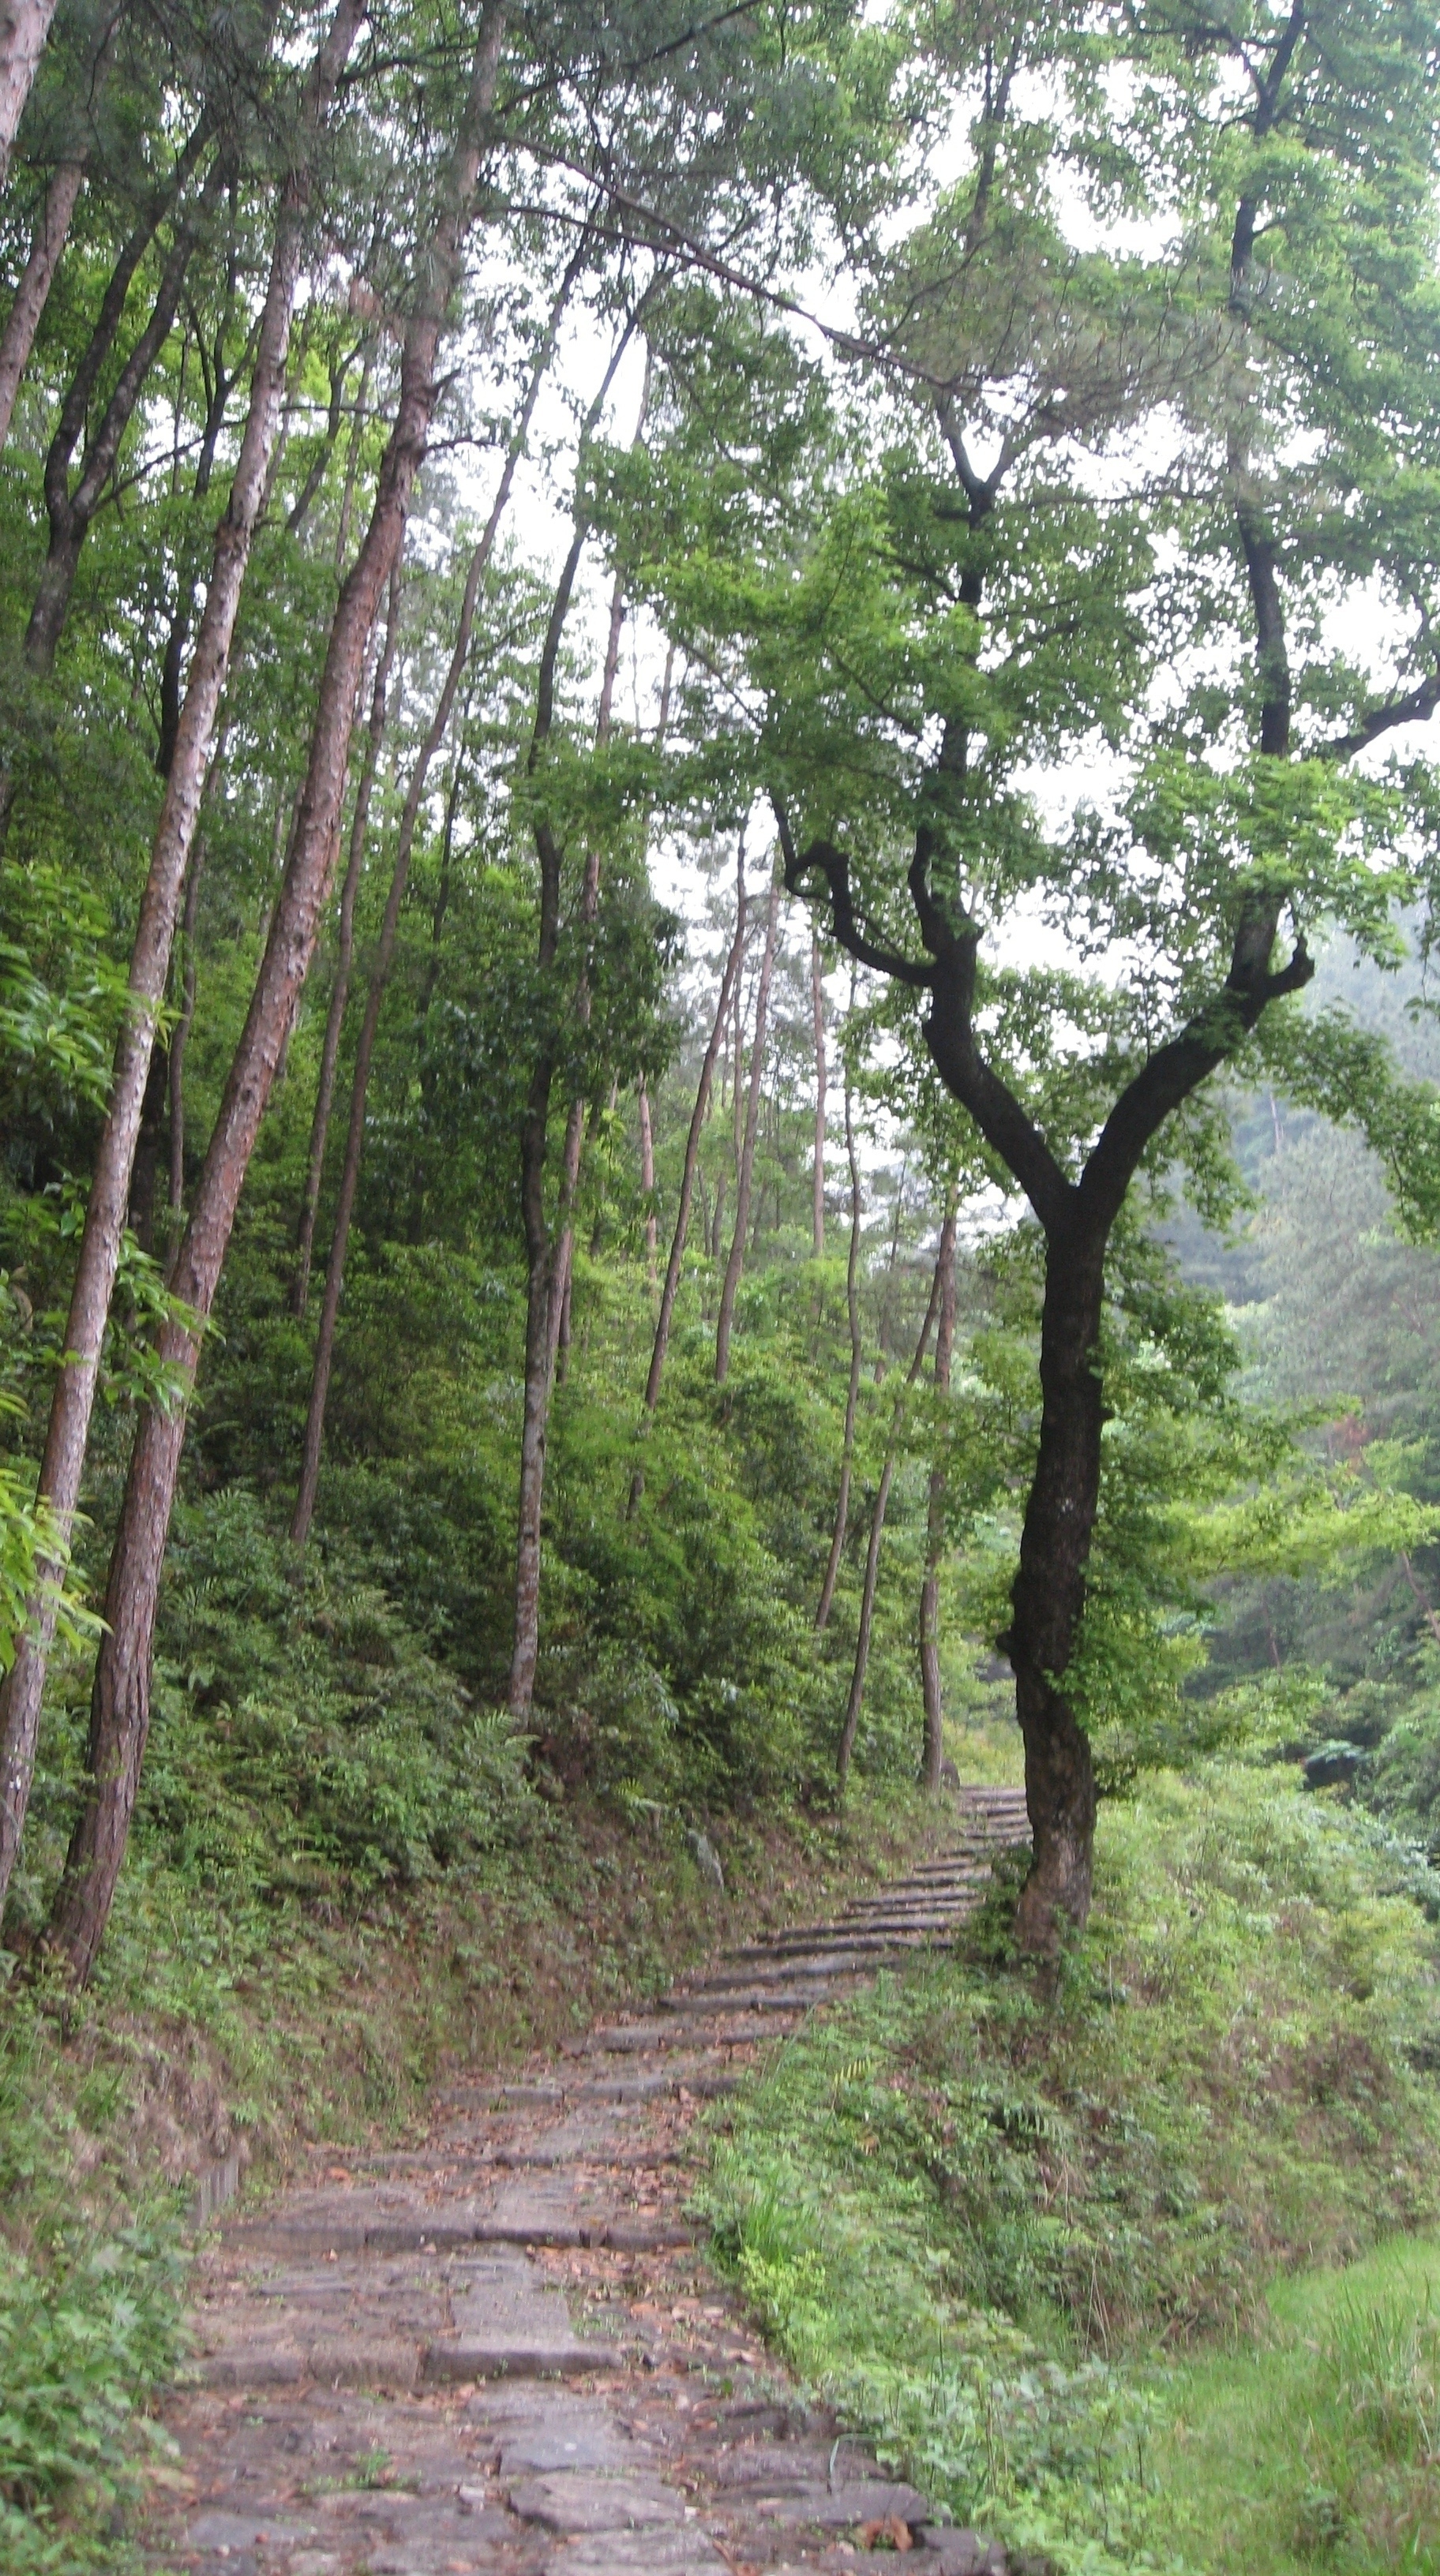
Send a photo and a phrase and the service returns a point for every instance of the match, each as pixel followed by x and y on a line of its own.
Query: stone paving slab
pixel 571 2501
pixel 498 2353
pixel 648 2553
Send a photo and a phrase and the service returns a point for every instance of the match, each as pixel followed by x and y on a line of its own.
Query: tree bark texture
pixel 856 1700
pixel 69 1427
pixel 120 1704
pixel 344 951
pixel 1049 1593
pixel 24 26
pixel 314 1441
pixel 183 1025
pixel 52 225
pixel 746 1171
pixel 933 1754
pixel 852 1391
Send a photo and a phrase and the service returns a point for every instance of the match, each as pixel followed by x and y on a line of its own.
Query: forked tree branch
pixel 822 857
pixel 1168 1078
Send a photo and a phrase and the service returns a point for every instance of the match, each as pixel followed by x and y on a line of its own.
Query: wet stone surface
pixel 502 2354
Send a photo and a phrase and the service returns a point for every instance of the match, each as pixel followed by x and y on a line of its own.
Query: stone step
pixel 543 2158
pixel 955 1873
pixel 912 1918
pixel 376 2361
pixel 863 1950
pixel 858 1927
pixel 516 2218
pixel 821 1966
pixel 358 2323
pixel 754 1998
pixel 634 2039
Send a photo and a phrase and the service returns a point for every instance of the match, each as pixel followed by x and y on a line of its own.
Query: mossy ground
pixel 1037 2248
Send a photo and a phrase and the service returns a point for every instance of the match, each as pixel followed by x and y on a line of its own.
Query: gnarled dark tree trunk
pixel 1077 1215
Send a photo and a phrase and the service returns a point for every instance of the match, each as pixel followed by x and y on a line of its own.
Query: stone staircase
pixel 502 2352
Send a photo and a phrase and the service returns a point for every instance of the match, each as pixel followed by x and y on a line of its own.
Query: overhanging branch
pixel 821 857
pixel 1413 709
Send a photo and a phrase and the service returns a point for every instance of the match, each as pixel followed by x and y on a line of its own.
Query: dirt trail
pixel 503 2352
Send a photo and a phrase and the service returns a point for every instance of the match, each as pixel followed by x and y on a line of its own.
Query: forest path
pixel 502 2353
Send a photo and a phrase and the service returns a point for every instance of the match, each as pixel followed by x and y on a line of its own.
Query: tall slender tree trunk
pixel 63 1462
pixel 647 1137
pixel 647 1182
pixel 546 1255
pixel 300 507
pixel 539 1283
pixel 183 1025
pixel 429 1074
pixel 817 1006
pixel 24 26
pixel 120 1702
pixel 314 1441
pixel 52 226
pixel 52 596
pixel 852 1391
pixel 352 468
pixel 72 508
pixel 746 1171
pixel 173 665
pixel 934 1751
pixel 856 1700
pixel 690 1169
pixel 145 1170
pixel 564 1254
pixel 344 952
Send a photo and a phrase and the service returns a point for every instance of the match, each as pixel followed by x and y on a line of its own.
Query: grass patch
pixel 995 2232
pixel 1319 2446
